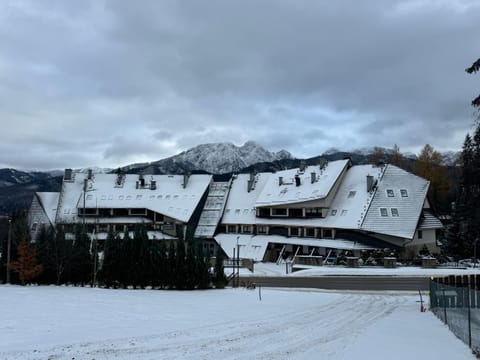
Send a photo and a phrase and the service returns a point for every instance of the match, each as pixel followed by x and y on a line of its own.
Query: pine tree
pixel 171 265
pixel 62 250
pixel 26 266
pixel 180 275
pixel 191 266
pixel 81 264
pixel 44 246
pixel 203 268
pixel 220 279
pixel 108 273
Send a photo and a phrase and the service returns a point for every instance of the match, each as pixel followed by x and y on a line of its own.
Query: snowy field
pixel 272 269
pixel 83 323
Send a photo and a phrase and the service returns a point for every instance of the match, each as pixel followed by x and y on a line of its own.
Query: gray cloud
pixel 82 83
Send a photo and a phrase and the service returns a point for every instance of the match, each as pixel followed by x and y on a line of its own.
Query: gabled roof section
pixel 397 203
pixel 294 186
pixel 240 207
pixel 49 203
pixel 429 221
pixel 164 194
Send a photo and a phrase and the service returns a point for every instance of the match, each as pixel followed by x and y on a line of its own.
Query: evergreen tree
pixel 220 279
pixel 157 263
pixel 45 254
pixel 81 264
pixel 109 273
pixel 203 268
pixel 171 265
pixel 191 267
pixel 125 273
pixel 180 275
pixel 140 257
pixel 26 266
pixel 62 250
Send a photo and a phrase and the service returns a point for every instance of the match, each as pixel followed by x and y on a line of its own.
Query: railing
pixel 456 301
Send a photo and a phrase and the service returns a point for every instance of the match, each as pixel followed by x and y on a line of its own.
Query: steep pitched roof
pixel 397 203
pixel 168 196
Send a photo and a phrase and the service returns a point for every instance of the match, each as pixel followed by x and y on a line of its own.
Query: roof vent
pixel 141 181
pixel 280 180
pixel 68 175
pixel 153 185
pixel 297 180
pixel 322 162
pixel 369 183
pixel 313 177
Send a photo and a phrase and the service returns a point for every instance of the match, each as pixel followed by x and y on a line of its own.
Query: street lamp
pixel 475 252
pixel 9 245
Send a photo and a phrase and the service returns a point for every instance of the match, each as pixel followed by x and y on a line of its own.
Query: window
pixel 129 197
pixel 328 233
pixel 344 212
pixel 334 212
pixel 310 232
pixel 394 212
pixel 383 212
pixel 351 194
pixel 403 192
pixel 246 229
pixel 261 229
pixel 279 212
pixel 313 212
pixel 420 234
pixel 295 232
pixel 232 228
pixel 34 226
pixel 390 193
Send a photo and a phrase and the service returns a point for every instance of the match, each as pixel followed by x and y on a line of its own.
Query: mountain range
pixel 222 159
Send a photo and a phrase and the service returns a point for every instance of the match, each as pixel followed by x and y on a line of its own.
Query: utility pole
pixel 9 246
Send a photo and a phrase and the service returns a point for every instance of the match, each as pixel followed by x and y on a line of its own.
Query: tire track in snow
pixel 325 330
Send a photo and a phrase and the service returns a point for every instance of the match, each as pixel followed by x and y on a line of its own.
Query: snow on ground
pixel 272 269
pixel 84 323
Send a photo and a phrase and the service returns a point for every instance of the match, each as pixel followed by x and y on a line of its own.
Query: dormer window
pixel 403 192
pixel 351 194
pixel 334 212
pixel 390 193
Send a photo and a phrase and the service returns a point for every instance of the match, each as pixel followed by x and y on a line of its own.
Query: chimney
pixel 142 181
pixel 280 180
pixel 322 162
pixel 153 185
pixel 250 182
pixel 68 175
pixel 303 166
pixel 369 183
pixel 313 177
pixel 89 174
pixel 186 176
pixel 297 180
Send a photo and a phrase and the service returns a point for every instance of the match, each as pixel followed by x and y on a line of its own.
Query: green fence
pixel 456 301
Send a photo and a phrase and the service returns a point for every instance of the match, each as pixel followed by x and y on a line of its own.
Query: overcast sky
pixel 108 83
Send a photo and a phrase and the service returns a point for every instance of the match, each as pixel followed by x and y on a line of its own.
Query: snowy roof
pixel 240 207
pixel 353 207
pixel 429 221
pixel 254 246
pixel 49 202
pixel 213 209
pixel 397 203
pixel 315 183
pixel 163 194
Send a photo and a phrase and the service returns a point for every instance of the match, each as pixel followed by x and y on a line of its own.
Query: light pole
pixel 9 245
pixel 475 252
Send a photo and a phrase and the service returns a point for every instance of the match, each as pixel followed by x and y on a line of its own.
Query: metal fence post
pixel 469 319
pixel 444 304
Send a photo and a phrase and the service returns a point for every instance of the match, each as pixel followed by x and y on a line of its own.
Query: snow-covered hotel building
pixel 308 210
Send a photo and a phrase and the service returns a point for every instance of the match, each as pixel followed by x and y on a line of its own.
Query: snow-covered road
pixel 67 323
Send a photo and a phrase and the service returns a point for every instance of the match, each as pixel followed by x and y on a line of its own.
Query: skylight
pixel 334 212
pixel 390 193
pixel 403 192
pixel 394 212
pixel 383 212
pixel 351 194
